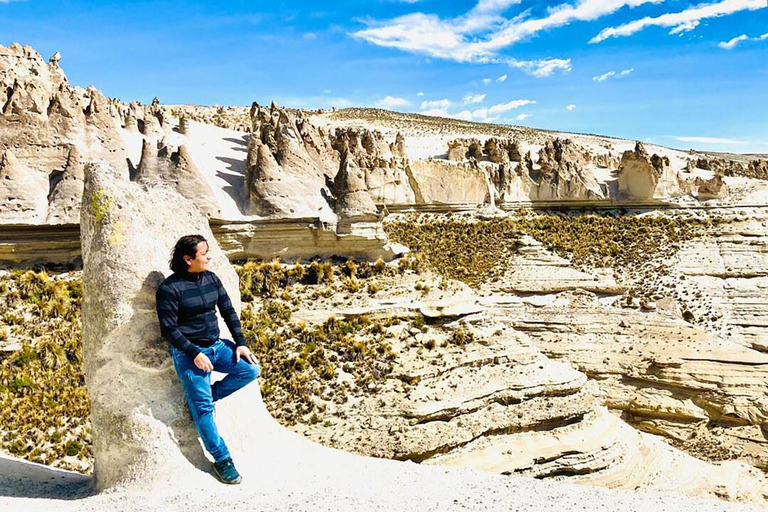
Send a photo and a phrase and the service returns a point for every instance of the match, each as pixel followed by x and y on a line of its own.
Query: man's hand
pixel 245 352
pixel 201 361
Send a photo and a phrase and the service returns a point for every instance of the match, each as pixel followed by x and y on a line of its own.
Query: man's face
pixel 201 259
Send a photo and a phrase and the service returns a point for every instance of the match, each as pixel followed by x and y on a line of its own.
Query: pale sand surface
pixel 288 472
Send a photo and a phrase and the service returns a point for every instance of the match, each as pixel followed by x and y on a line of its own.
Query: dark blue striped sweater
pixel 186 308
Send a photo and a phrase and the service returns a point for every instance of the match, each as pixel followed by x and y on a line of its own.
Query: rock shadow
pixel 241 142
pixel 23 479
pixel 235 182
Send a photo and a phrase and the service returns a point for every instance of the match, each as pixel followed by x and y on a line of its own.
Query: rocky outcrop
pixel 383 164
pixel 500 151
pixel 714 188
pixel 493 401
pixel 288 166
pixel 744 167
pixel 42 115
pixel 142 435
pixel 563 173
pixel 644 177
pixel 66 194
pixel 177 169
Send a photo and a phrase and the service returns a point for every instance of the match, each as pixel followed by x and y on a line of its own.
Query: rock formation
pixel 384 165
pixel 178 170
pixel 142 435
pixel 66 194
pixel 645 177
pixel 353 202
pixel 42 116
pixel 500 151
pixel 288 166
pixel 183 124
pixel 714 188
pixel 563 173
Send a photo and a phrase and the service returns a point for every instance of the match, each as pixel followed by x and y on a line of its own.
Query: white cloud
pixel 609 74
pixel 603 77
pixel 310 102
pixel 393 102
pixel 437 112
pixel 466 115
pixel 522 117
pixel 543 67
pixel 484 114
pixel 487 81
pixel 571 107
pixel 710 140
pixel 473 98
pixel 310 36
pixel 420 93
pixel 479 34
pixel 502 78
pixel 326 91
pixel 682 21
pixel 730 45
pixel 504 107
pixel 436 104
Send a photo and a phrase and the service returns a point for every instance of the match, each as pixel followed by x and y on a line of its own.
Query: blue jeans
pixel 201 395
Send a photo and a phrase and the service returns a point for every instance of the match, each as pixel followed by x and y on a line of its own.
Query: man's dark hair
pixel 186 246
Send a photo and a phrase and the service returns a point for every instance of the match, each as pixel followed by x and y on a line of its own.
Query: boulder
pixel 143 438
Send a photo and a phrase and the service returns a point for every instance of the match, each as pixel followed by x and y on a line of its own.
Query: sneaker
pixel 226 472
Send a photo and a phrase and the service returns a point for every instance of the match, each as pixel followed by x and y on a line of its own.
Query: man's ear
pixel 188 260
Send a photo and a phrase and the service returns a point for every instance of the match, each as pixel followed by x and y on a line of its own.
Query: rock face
pixel 41 117
pixel 645 177
pixel 22 191
pixel 142 435
pixel 288 165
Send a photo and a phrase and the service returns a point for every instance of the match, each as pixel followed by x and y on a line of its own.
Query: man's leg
pixel 197 385
pixel 238 373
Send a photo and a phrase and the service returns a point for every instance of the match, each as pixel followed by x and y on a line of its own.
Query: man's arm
pixel 228 313
pixel 168 315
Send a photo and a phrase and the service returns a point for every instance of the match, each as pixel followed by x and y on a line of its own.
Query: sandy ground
pixel 287 472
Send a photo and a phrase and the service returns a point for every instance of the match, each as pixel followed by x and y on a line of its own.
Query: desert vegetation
pixel 44 407
pixel 638 248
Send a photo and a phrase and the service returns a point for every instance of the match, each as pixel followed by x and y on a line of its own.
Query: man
pixel 186 308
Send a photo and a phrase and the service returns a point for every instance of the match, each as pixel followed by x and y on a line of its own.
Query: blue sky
pixel 675 72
